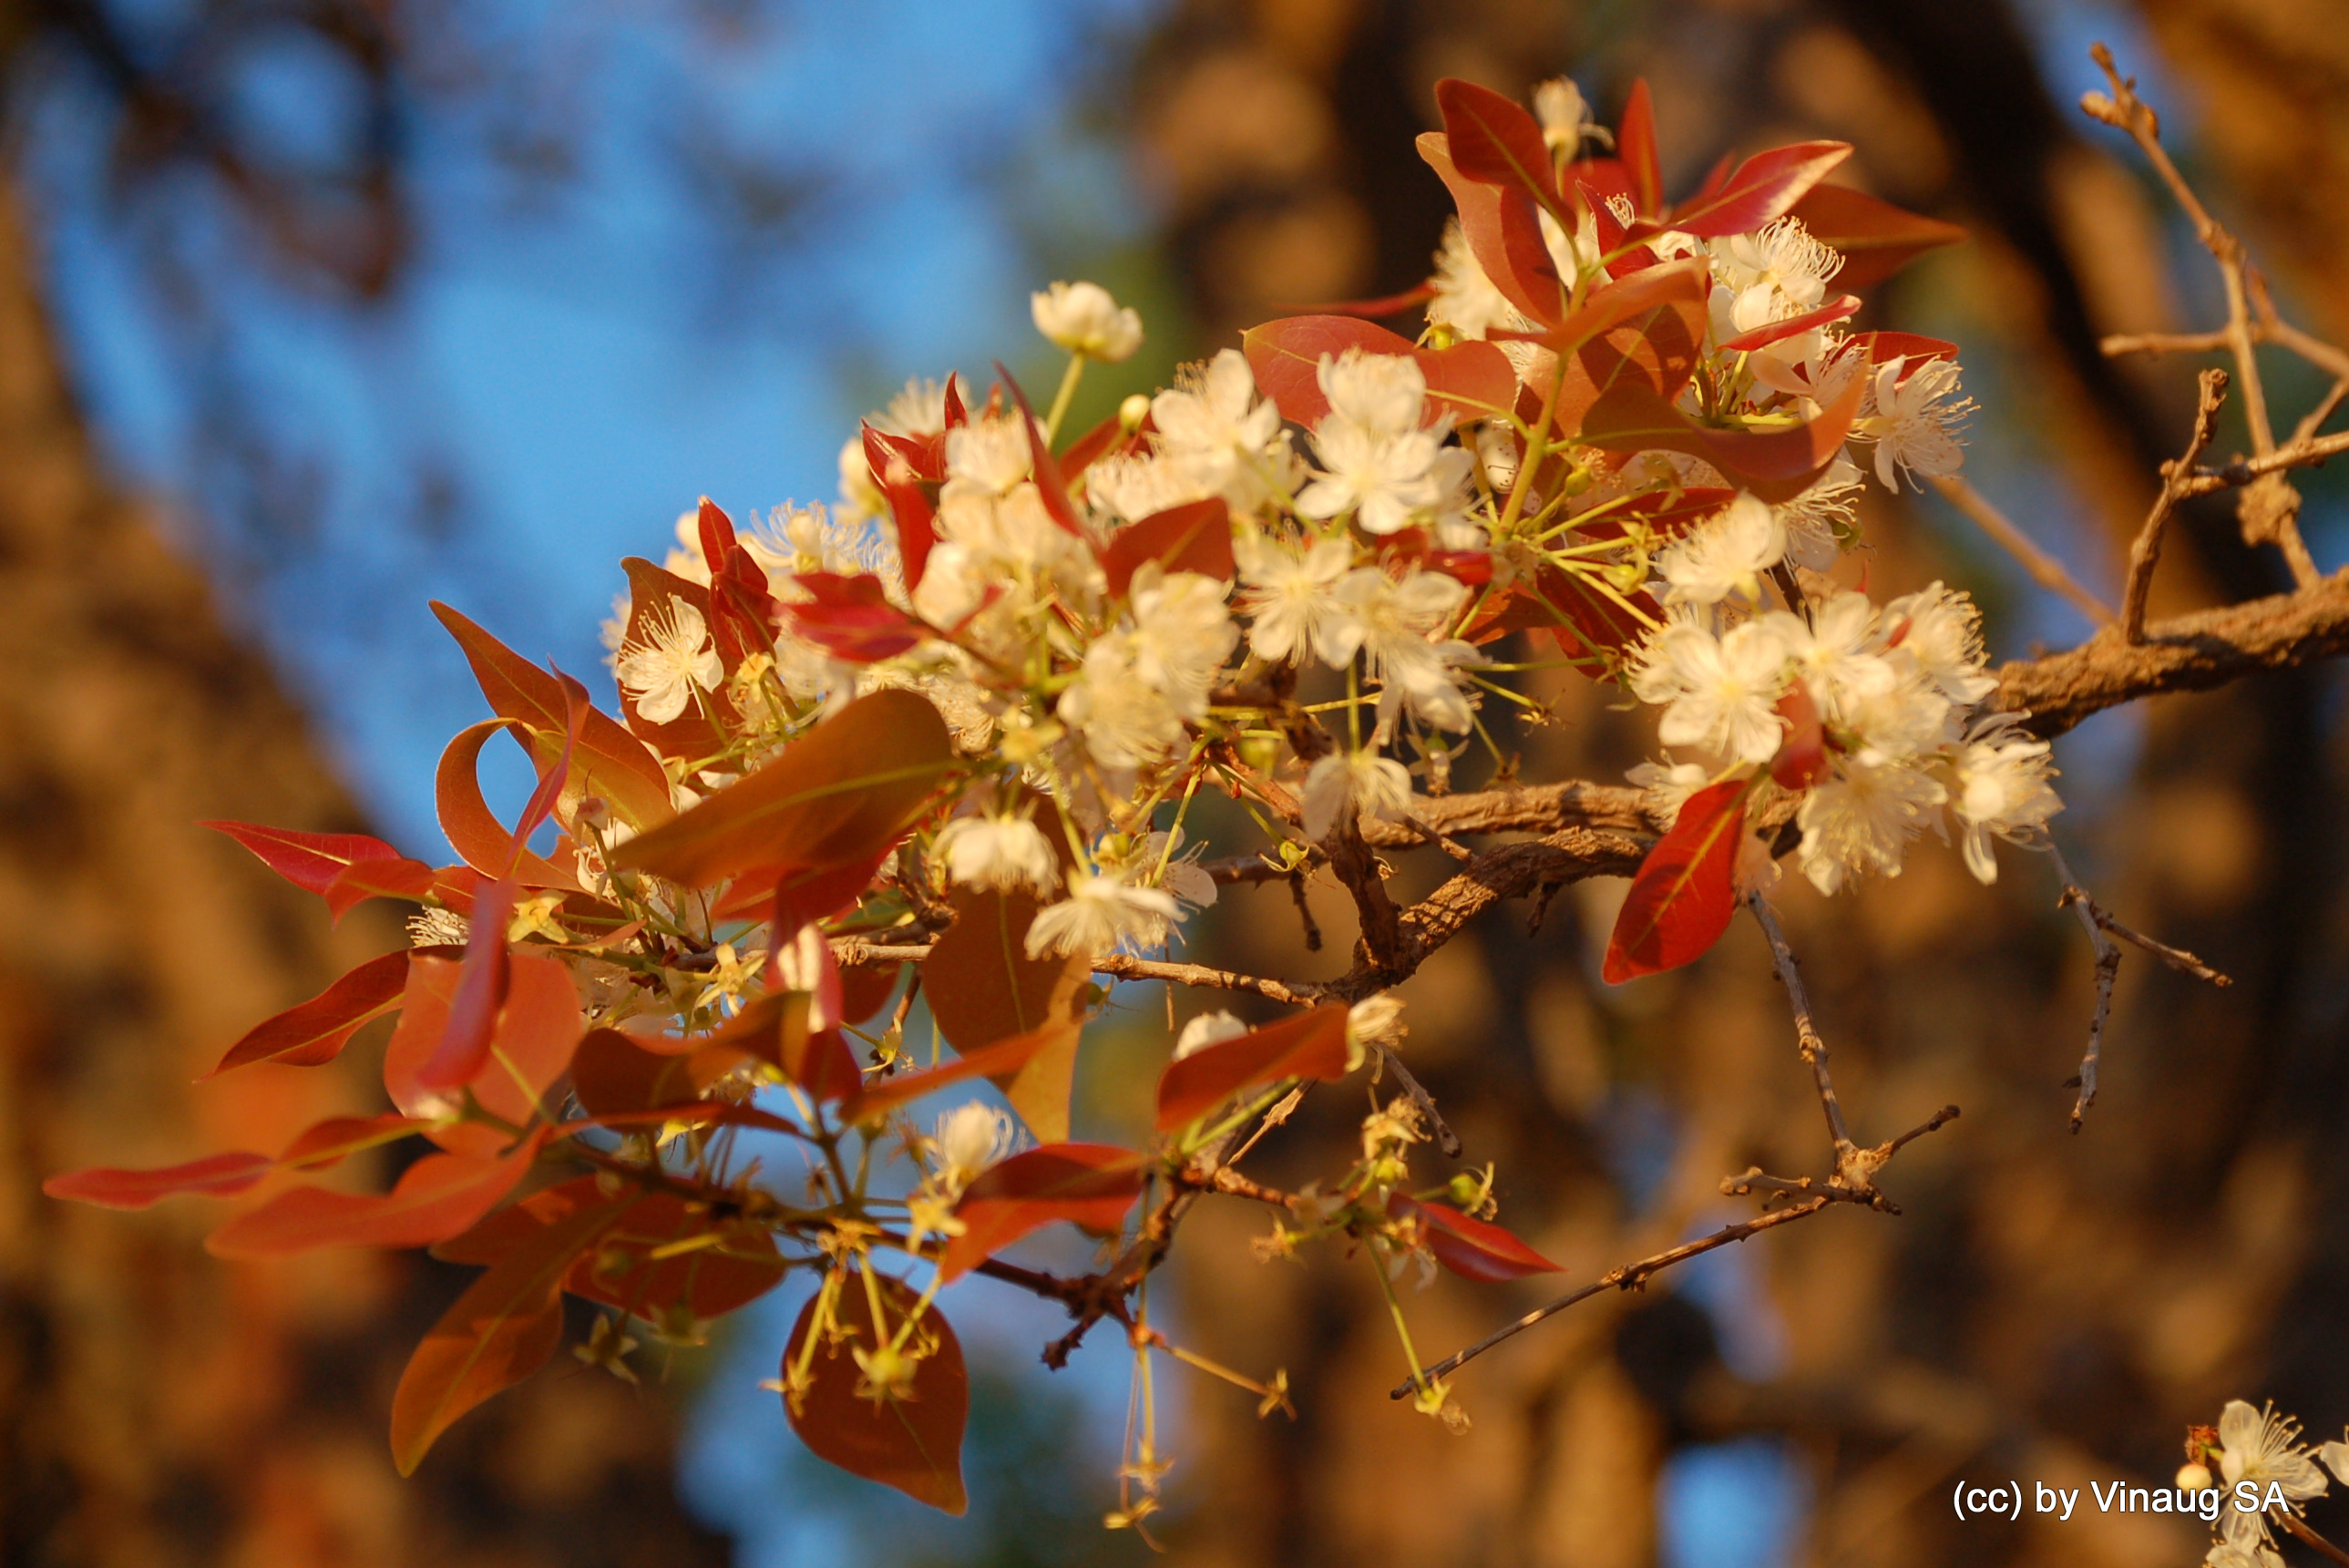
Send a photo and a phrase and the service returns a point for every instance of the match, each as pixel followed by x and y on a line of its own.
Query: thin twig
pixel 2045 569
pixel 2108 964
pixel 1445 1139
pixel 2300 1528
pixel 2178 958
pixel 1806 1034
pixel 2146 553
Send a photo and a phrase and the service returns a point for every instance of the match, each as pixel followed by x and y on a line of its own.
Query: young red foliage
pixel 1470 378
pixel 536 1032
pixel 1775 464
pixel 1042 468
pixel 473 831
pixel 1840 308
pixel 1666 515
pixel 1683 897
pixel 504 1328
pixel 313 862
pixel 610 762
pixel 1377 309
pixel 363 880
pixel 983 987
pixel 1875 238
pixel 1765 186
pixel 774 1029
pixel 911 506
pixel 439 1195
pixel 317 1030
pixel 1581 616
pixel 1091 1185
pixel 612 1074
pixel 848 787
pixel 1913 349
pixel 463 1049
pixel 914 1442
pixel 1195 537
pixel 1635 144
pixel 1502 227
pixel 1494 141
pixel 337 1137
pixel 1802 754
pixel 1002 1061
pixel 213 1176
pixel 852 616
pixel 1308 1045
pixel 1475 1249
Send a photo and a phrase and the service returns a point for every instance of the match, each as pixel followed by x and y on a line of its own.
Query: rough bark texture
pixel 158 1407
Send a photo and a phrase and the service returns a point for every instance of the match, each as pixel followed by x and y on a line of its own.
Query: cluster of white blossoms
pixel 1106 634
pixel 2255 1460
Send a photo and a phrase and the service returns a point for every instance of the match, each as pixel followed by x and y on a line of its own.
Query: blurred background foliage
pixel 312 309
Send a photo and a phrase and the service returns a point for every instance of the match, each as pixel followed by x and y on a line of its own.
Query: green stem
pixel 1069 379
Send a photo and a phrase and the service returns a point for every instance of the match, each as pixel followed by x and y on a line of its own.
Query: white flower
pixel 1722 693
pixel 1098 913
pixel 998 851
pixel 659 674
pixel 2263 1447
pixel 1360 781
pixel 1392 623
pixel 1083 318
pixel 1221 435
pixel 1914 429
pixel 1150 859
pixel 1465 299
pixel 1121 719
pixel 1375 1020
pixel 1835 652
pixel 1781 269
pixel 1818 520
pixel 1860 817
pixel 1385 393
pixel 1135 485
pixel 1940 629
pixel 986 458
pixel 2002 788
pixel 919 408
pixel 1182 635
pixel 1207 1030
pixel 968 1140
pixel 446 927
pixel 1377 462
pixel 1293 600
pixel 1725 556
pixel 1565 116
pixel 1666 786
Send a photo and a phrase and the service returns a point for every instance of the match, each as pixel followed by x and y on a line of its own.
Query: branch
pixel 2146 552
pixel 2045 569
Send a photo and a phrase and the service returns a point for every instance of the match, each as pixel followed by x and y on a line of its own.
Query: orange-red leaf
pixel 1195 537
pixel 1494 141
pixel 982 987
pixel 612 1073
pixel 363 880
pixel 1472 380
pixel 1682 897
pixel 318 1030
pixel 309 860
pixel 537 1030
pixel 1309 1045
pixel 463 1049
pixel 339 1136
pixel 1001 1061
pixel 1092 1185
pixel 503 1329
pixel 213 1176
pixel 848 788
pixel 473 831
pixel 1502 227
pixel 1635 143
pixel 1765 186
pixel 609 763
pixel 439 1195
pixel 1776 464
pixel 1474 1248
pixel 913 1443
pixel 852 616
pixel 1875 238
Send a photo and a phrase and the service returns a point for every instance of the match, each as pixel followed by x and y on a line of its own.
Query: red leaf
pixel 610 762
pixel 363 880
pixel 309 860
pixel 481 840
pixel 1776 464
pixel 1877 238
pixel 1802 754
pixel 852 616
pixel 701 1283
pixel 338 1138
pixel 1913 349
pixel 1835 310
pixel 537 1030
pixel 213 1176
pixel 910 506
pixel 1474 1248
pixel 982 987
pixel 913 1443
pixel 504 1328
pixel 1492 140
pixel 1764 187
pixel 1473 380
pixel 1195 537
pixel 1503 228
pixel 438 1196
pixel 1110 435
pixel 1308 1045
pixel 1092 1185
pixel 463 1049
pixel 1000 1061
pixel 774 1028
pixel 612 1073
pixel 1667 514
pixel 318 1030
pixel 1583 618
pixel 1041 467
pixel 541 804
pixel 848 787
pixel 1635 141
pixel 1681 900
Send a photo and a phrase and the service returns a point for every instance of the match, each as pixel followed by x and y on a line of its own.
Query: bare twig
pixel 2177 958
pixel 1807 1035
pixel 2299 1527
pixel 2045 569
pixel 2146 553
pixel 1445 1139
pixel 2268 508
pixel 2108 965
pixel 1295 994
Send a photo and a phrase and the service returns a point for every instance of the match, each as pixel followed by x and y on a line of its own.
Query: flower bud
pixel 2194 1478
pixel 1132 412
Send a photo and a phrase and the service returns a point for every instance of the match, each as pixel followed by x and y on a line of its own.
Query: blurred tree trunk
pixel 158 1407
pixel 2050 1307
